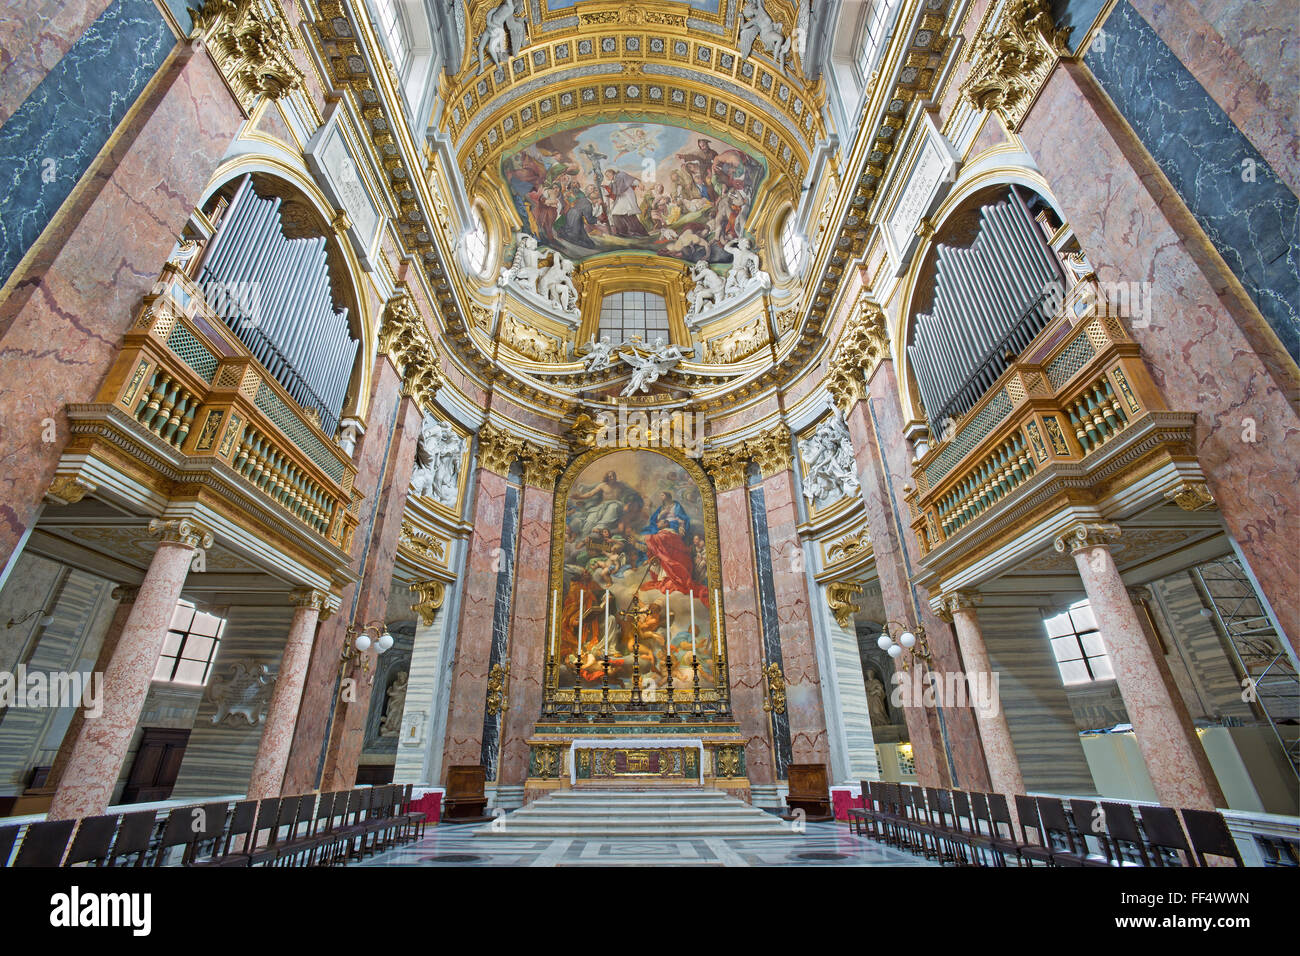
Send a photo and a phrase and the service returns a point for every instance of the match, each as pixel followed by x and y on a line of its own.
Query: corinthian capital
pixel 1086 535
pixel 726 466
pixel 1011 61
pixel 862 345
pixel 542 466
pixel 184 531
pixel 498 449
pixel 954 601
pixel 771 450
pixel 252 49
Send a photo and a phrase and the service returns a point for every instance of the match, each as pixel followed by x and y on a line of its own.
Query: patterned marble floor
pixel 823 844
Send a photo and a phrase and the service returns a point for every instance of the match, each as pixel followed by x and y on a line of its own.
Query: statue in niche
pixel 244 691
pixel 437 461
pixel 757 24
pixel 708 288
pixel 877 711
pixel 391 725
pixel 600 356
pixel 504 21
pixel 556 284
pixel 646 371
pixel 744 267
pixel 526 268
pixel 828 454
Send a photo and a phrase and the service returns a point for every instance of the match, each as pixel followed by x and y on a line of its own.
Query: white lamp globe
pixel 895 650
pixel 884 642
pixel 362 642
pixel 385 642
pixel 908 639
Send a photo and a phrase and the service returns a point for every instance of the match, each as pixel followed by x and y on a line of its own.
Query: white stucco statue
pixel 646 370
pixel 526 268
pixel 744 267
pixel 756 24
pixel 504 21
pixel 708 288
pixel 556 284
pixel 437 462
pixel 828 455
pixel 600 356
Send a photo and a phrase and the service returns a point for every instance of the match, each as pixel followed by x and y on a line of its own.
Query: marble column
pixel 467 704
pixel 125 602
pixel 277 732
pixel 101 746
pixel 995 732
pixel 370 605
pixel 744 639
pixel 790 582
pixel 1166 737
pixel 529 624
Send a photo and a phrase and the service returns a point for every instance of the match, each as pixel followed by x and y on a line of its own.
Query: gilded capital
pixel 1087 535
pixel 1011 61
pixel 68 489
pixel 252 49
pixel 542 466
pixel 863 344
pixel 771 450
pixel 183 531
pixel 839 598
pixel 405 338
pixel 498 449
pixel 727 467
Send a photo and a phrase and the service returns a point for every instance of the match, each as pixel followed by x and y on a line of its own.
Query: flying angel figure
pixel 634 139
pixel 646 371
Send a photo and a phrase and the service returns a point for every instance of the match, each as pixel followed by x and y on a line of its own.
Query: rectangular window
pixel 874 32
pixel 390 21
pixel 1076 643
pixel 190 646
pixel 627 314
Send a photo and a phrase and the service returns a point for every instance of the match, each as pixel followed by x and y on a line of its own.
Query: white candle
pixel 692 625
pixel 555 619
pixel 717 608
pixel 668 625
pixel 581 595
pixel 607 624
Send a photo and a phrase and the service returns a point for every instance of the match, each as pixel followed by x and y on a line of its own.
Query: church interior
pixel 649 432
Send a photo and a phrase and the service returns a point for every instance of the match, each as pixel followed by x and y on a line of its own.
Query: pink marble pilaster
pixel 277 732
pixel 744 640
pixel 34 36
pixel 468 699
pixel 529 631
pixel 100 748
pixel 1207 347
pixel 1166 737
pixel 798 644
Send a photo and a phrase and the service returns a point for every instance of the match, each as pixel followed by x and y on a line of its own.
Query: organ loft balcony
pixel 188 413
pixel 1074 422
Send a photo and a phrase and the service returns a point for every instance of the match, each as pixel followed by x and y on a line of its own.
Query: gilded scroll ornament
pixel 1011 61
pixel 839 598
pixel 406 339
pixel 863 344
pixel 850 546
pixel 1086 535
pixel 251 48
pixel 497 689
pixel 431 595
pixel 1191 496
pixel 775 697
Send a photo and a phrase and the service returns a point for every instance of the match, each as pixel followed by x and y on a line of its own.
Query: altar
pixel 677 760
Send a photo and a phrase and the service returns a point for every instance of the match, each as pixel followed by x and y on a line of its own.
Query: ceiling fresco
pixel 634 187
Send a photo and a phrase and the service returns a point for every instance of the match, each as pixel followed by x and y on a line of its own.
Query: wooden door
pixel 156 766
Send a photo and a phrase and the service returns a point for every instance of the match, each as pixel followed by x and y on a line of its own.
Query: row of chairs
pixel 279 831
pixel 968 828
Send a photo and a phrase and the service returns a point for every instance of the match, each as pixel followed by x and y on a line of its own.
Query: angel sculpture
pixel 502 20
pixel 828 454
pixel 601 355
pixel 757 24
pixel 526 268
pixel 708 287
pixel 744 264
pixel 556 284
pixel 646 371
pixel 437 462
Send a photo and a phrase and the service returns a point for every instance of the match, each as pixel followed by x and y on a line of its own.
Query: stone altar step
pixel 624 814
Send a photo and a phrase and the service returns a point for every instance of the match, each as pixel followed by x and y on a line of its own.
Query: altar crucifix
pixel 635 613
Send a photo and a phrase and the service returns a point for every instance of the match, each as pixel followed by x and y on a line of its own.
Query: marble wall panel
pixel 502 593
pixel 34 36
pixel 770 618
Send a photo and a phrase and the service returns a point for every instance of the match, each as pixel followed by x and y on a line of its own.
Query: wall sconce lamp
pixel 358 641
pixel 910 639
pixel 46 619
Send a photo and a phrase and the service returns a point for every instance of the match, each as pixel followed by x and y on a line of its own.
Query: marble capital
pixel 1086 535
pixel 542 466
pixel 182 531
pixel 309 597
pixel 951 602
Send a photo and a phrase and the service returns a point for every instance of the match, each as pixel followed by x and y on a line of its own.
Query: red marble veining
pixel 282 713
pixel 995 733
pixel 1244 54
pixel 323 671
pixel 34 36
pixel 959 722
pixel 348 734
pixel 63 321
pixel 100 749
pixel 798 645
pixel 743 636
pixel 991 134
pixel 529 632
pixel 1206 346
pixel 464 743
pixel 1176 762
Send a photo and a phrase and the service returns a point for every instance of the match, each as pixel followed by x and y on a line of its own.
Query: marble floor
pixel 822 844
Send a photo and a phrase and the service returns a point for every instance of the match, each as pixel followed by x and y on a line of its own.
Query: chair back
pixel 1164 832
pixel 1000 813
pixel 179 830
pixel 1122 827
pixel 242 823
pixel 133 835
pixel 1027 811
pixel 44 843
pixel 1210 834
pixel 1090 822
pixel 979 804
pixel 93 840
pixel 961 811
pixel 1051 811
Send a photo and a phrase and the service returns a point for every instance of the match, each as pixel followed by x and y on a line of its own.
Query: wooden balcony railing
pixel 184 377
pixel 1078 388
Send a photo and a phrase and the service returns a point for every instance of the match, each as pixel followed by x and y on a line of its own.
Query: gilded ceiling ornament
pixel 863 344
pixel 498 449
pixel 1011 62
pixel 771 450
pixel 250 48
pixel 1191 496
pixel 431 595
pixel 1086 535
pixel 839 598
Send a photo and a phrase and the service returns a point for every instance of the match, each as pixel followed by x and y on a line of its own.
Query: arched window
pixel 394 32
pixel 625 314
pixel 791 244
pixel 476 244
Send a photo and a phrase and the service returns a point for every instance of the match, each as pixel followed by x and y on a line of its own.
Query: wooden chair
pixel 44 843
pixel 1000 819
pixel 1086 819
pixel 466 792
pixel 93 841
pixel 1039 849
pixel 1066 848
pixel 1123 829
pixel 1210 834
pixel 8 836
pixel 415 821
pixel 134 835
pixel 268 853
pixel 1165 833
pixel 242 823
pixel 177 831
pixel 953 847
pixel 985 837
